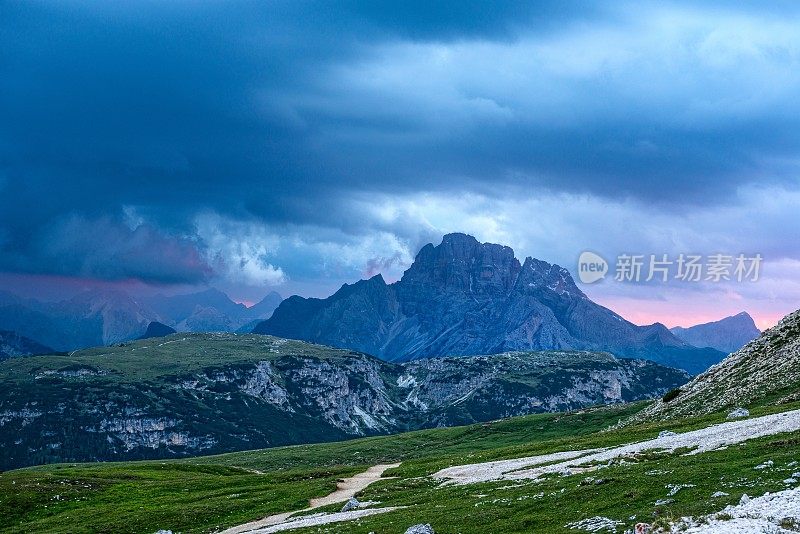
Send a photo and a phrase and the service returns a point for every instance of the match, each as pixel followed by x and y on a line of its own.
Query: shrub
pixel 671 395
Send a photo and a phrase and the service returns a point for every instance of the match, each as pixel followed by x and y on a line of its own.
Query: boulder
pixel 351 504
pixel 738 413
pixel 666 434
pixel 425 528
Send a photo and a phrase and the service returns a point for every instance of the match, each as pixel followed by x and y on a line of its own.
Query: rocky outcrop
pixel 726 335
pixel 463 297
pixel 209 393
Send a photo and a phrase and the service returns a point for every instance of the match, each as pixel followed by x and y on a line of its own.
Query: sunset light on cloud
pixel 307 163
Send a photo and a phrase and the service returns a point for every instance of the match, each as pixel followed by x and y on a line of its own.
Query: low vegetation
pixel 207 493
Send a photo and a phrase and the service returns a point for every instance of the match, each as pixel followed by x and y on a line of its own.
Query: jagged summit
pixel 463 297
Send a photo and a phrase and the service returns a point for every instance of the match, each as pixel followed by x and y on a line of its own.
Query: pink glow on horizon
pixel 689 313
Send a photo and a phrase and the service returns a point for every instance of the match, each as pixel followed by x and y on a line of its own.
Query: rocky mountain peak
pixel 540 275
pixel 464 297
pixel 461 264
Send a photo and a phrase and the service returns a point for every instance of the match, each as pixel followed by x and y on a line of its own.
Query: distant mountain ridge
pixel 463 297
pixel 189 394
pixel 103 317
pixel 727 335
pixel 13 344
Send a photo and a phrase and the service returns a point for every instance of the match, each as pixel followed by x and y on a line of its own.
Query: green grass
pixel 206 493
pixel 174 355
pixel 144 497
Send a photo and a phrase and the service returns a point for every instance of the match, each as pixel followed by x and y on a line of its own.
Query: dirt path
pixel 345 489
pixel 703 440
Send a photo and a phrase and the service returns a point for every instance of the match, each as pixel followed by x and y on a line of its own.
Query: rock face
pixel 726 335
pixel 766 370
pixel 13 344
pixel 463 297
pixel 206 393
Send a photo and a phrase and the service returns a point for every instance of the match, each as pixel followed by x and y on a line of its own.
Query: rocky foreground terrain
pixel 187 394
pixel 463 297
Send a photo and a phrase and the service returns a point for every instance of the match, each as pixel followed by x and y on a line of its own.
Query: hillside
pixel 188 394
pixel 726 335
pixel 765 371
pixel 208 494
pixel 463 297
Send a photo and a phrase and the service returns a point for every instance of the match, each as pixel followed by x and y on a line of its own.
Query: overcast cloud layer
pixel 296 146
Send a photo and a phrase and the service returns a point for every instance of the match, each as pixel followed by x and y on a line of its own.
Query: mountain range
pixel 727 335
pixel 464 297
pixel 188 394
pixel 102 317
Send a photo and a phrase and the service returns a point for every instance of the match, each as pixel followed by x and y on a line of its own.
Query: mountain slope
pixel 766 370
pixel 188 394
pixel 727 335
pixel 463 297
pixel 13 344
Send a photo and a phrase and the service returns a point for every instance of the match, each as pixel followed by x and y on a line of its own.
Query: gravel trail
pixel 345 489
pixel 703 440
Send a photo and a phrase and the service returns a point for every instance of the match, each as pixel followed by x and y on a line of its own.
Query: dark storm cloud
pixel 281 112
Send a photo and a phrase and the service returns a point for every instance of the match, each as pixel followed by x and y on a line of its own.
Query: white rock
pixel 744 500
pixel 595 524
pixel 718 494
pixel 420 529
pixel 666 433
pixel 351 504
pixel 739 413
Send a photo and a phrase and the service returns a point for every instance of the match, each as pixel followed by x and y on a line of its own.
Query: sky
pixel 164 146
